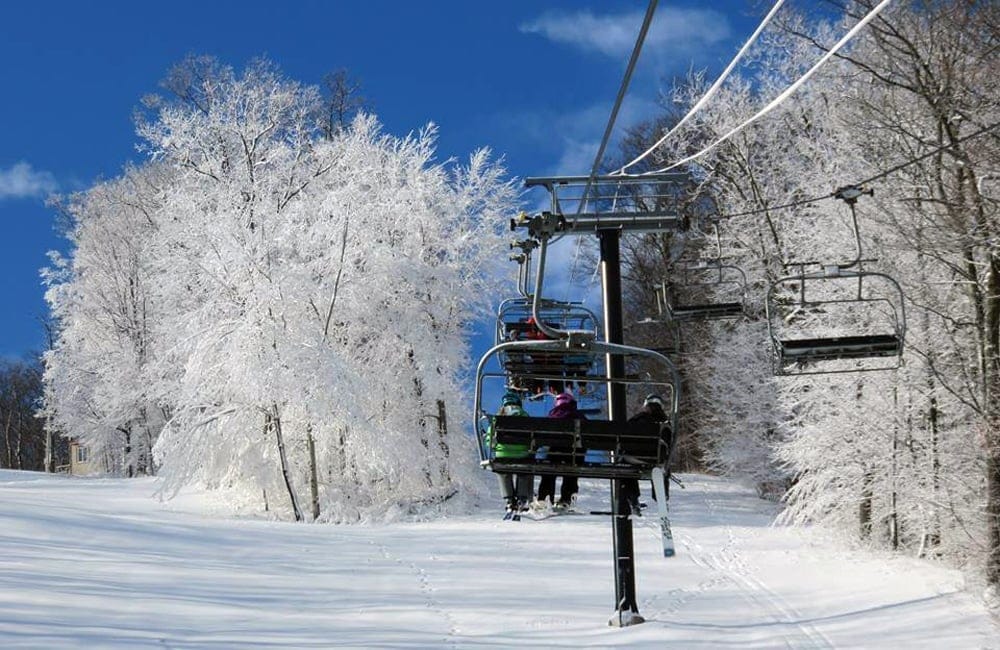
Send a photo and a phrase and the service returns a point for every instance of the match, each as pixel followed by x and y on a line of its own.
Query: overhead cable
pixel 871 179
pixel 711 91
pixel 785 94
pixel 650 10
pixel 646 21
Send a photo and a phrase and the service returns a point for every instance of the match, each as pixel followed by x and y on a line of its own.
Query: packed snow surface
pixel 100 563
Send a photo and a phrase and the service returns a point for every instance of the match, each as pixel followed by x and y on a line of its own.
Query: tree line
pixel 27 444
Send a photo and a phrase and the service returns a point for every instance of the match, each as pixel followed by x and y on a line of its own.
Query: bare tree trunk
pixel 50 465
pixel 7 431
pixel 442 419
pixel 418 393
pixel 274 419
pixel 865 506
pixel 19 448
pixel 894 495
pixel 313 481
pixel 129 453
pixel 867 479
pixel 934 538
pixel 992 428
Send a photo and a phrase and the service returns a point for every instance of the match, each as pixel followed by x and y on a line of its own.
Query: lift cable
pixel 709 93
pixel 626 79
pixel 871 179
pixel 618 100
pixel 784 95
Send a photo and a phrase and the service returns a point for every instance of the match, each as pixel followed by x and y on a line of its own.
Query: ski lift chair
pixel 514 323
pixel 813 321
pixel 558 446
pixel 839 318
pixel 725 282
pixel 513 315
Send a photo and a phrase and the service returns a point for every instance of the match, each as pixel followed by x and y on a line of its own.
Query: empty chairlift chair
pixel 704 291
pixel 838 318
pixel 835 320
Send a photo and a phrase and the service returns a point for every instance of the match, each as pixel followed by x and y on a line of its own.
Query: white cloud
pixel 21 181
pixel 673 32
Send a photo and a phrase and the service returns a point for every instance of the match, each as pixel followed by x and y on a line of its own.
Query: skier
pixel 515 488
pixel 651 412
pixel 536 388
pixel 565 408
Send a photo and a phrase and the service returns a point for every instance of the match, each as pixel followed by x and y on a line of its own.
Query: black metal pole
pixel 624 555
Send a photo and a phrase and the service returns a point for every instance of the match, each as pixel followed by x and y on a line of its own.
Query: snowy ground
pixel 90 563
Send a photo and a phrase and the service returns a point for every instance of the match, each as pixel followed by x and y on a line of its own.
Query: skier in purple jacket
pixel 565 408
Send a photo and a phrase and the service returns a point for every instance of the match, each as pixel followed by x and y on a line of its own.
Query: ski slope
pixel 99 563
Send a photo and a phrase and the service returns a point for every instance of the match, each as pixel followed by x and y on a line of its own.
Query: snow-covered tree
pixel 96 382
pixel 312 290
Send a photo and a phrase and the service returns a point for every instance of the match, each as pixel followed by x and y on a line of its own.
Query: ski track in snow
pixel 731 562
pixel 726 568
pixel 426 589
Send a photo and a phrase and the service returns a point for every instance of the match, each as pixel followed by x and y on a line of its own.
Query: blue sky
pixel 534 81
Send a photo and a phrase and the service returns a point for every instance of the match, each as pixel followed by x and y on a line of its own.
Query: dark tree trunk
pixel 313 480
pixel 274 420
pixel 442 419
pixel 865 507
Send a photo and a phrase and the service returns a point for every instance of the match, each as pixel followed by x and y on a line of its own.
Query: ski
pixel 608 513
pixel 660 488
pixel 542 516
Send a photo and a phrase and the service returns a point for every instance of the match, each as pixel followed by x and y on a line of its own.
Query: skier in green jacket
pixel 516 489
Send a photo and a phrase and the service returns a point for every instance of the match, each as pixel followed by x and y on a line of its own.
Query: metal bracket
pixel 541 225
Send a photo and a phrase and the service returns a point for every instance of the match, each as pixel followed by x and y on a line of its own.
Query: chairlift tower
pixel 608 206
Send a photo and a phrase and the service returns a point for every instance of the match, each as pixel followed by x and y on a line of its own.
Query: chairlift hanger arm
pixel 850 195
pixel 526 246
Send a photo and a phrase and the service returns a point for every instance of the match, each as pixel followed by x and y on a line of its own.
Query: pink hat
pixel 564 398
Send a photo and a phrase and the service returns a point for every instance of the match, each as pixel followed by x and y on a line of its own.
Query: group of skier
pixel 518 489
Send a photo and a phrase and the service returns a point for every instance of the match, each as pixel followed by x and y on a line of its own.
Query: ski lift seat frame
pixel 790 354
pixel 567 357
pixel 513 313
pixel 538 365
pixel 710 311
pixel 705 311
pixel 636 447
pixel 840 347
